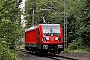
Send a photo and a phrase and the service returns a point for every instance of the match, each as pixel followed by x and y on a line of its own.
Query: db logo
pixel 52 38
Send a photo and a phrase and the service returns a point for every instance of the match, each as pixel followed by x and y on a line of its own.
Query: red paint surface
pixel 31 36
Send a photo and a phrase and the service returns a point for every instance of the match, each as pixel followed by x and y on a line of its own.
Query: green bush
pixel 6 53
pixel 72 46
pixel 76 44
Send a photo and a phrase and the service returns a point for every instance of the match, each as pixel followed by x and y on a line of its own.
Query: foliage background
pixel 78 16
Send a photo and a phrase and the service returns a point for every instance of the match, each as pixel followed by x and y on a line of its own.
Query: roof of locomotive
pixel 49 24
pixel 31 28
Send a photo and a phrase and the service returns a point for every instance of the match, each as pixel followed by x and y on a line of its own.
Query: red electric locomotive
pixel 44 38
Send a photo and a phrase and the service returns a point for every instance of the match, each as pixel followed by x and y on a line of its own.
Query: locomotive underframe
pixel 44 48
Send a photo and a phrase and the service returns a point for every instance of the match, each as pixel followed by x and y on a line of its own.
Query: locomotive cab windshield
pixel 51 30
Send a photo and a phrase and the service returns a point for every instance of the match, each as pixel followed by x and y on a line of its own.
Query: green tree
pixel 81 26
pixel 10 21
pixel 54 15
pixel 9 28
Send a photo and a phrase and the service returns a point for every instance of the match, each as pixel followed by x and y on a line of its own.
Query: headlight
pixel 44 39
pixel 56 38
pixel 47 38
pixel 59 39
pixel 45 46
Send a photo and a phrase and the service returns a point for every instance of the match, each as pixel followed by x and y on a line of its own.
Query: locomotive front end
pixel 52 40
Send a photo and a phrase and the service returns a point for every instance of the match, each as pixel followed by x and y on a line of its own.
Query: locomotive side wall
pixel 31 36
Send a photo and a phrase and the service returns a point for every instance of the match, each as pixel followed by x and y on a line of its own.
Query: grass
pixel 22 46
pixel 79 50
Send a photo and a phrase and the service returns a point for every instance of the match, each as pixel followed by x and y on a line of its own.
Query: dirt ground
pixel 25 55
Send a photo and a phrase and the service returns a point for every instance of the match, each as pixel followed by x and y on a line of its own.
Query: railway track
pixel 26 55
